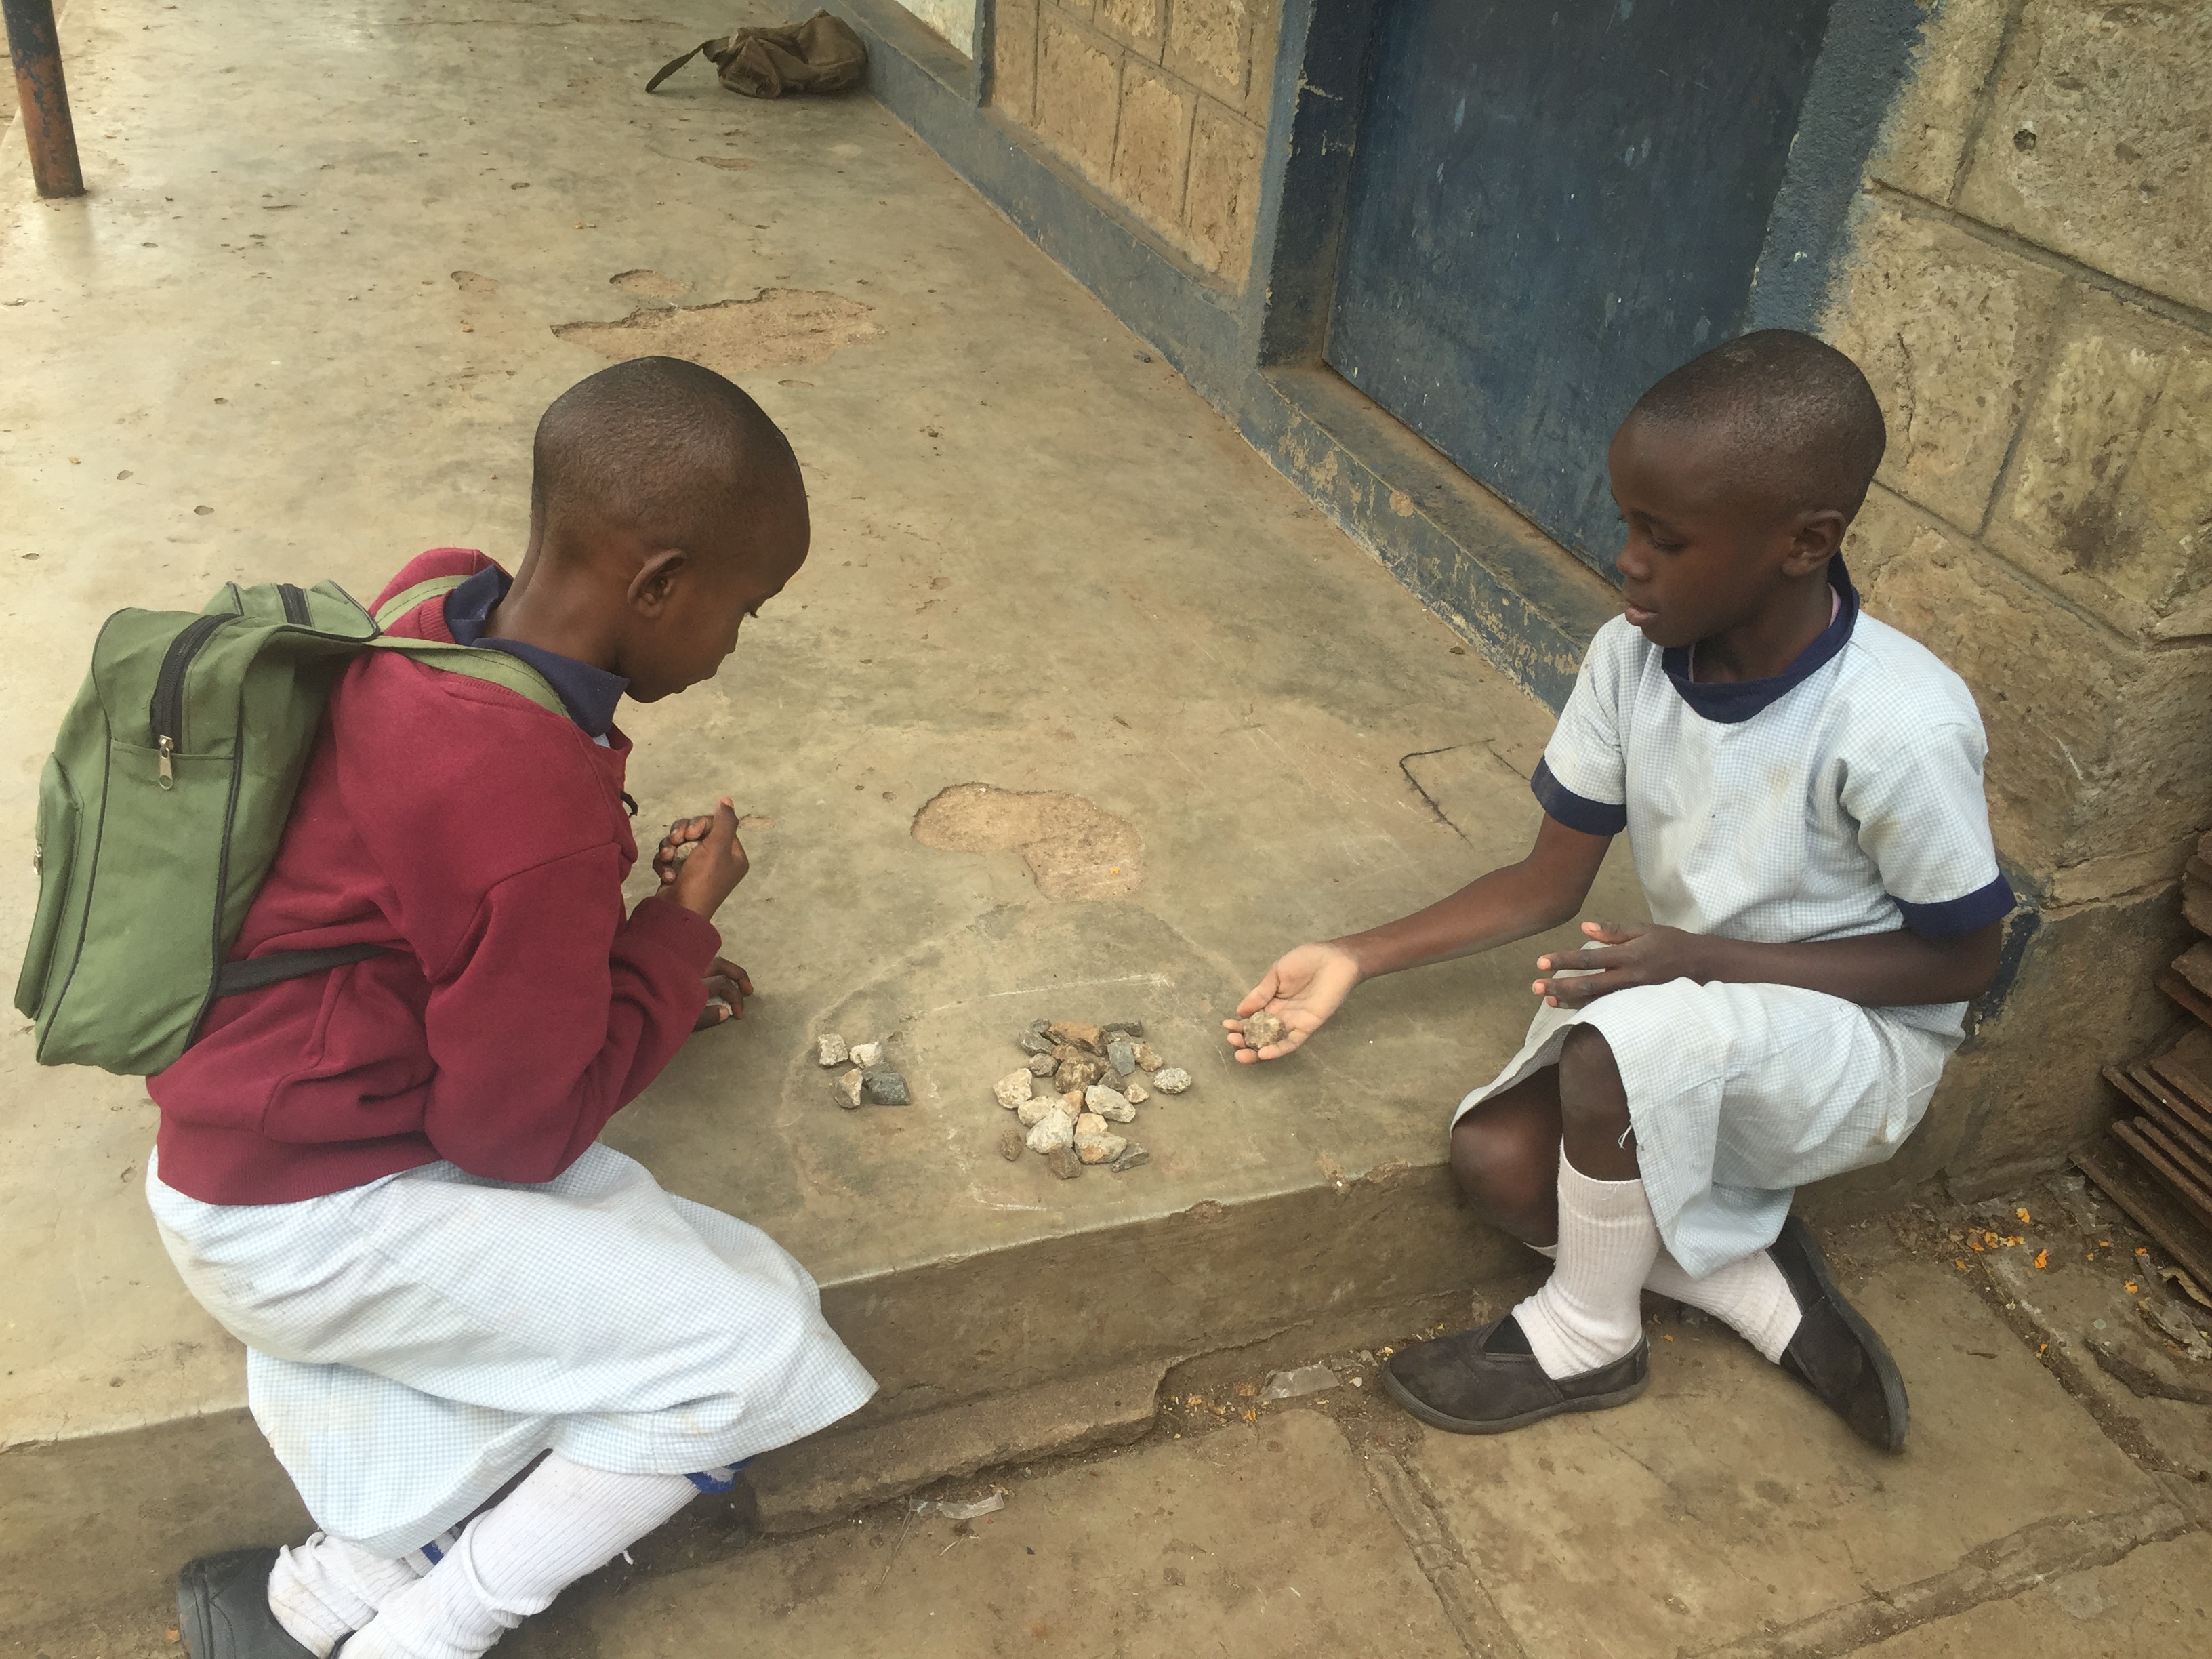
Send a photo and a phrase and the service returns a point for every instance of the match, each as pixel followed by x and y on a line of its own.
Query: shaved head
pixel 1796 423
pixel 663 447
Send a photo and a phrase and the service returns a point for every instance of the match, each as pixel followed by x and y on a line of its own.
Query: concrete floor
pixel 302 327
pixel 308 295
pixel 1724 1513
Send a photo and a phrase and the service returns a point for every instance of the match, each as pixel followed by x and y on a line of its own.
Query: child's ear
pixel 655 581
pixel 1818 535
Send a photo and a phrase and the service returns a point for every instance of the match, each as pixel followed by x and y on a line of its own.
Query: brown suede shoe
pixel 1485 1380
pixel 1835 1352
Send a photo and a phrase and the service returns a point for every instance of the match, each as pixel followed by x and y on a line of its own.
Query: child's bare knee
pixel 1499 1164
pixel 1591 1095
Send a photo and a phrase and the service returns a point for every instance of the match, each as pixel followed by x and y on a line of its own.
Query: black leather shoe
pixel 223 1609
pixel 1485 1380
pixel 1835 1352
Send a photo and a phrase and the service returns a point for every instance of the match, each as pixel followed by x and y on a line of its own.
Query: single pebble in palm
pixel 1262 1030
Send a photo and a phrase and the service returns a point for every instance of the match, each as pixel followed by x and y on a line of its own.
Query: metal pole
pixel 37 50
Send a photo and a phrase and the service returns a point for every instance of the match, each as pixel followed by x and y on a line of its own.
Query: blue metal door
pixel 1552 206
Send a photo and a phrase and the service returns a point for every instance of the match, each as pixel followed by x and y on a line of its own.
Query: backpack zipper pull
pixel 169 746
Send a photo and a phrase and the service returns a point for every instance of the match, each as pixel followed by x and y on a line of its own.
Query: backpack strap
pixel 477 662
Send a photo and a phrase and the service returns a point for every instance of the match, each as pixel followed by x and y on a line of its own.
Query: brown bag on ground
pixel 822 54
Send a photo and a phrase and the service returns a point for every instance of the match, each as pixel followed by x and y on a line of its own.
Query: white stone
pixel 1034 1110
pixel 1011 1090
pixel 1054 1129
pixel 829 1050
pixel 848 1089
pixel 1107 1103
pixel 867 1056
pixel 1135 1092
pixel 1172 1081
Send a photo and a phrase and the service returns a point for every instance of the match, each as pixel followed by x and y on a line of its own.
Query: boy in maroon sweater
pixel 385 1179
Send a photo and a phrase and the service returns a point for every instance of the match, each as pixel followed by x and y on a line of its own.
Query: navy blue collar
pixel 590 693
pixel 1730 701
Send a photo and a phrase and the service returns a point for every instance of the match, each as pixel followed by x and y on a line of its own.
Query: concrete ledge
pixel 829 1477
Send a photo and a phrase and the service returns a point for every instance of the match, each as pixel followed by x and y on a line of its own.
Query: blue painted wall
pixel 1552 205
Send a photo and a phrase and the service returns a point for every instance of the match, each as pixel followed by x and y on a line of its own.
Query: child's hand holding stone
pixel 701 868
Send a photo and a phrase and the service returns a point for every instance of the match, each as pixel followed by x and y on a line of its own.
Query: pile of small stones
pixel 870 1082
pixel 1080 1081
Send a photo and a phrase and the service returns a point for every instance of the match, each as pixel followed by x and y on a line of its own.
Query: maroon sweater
pixel 483 839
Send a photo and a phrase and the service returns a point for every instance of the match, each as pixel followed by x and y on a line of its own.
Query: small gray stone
pixel 1011 1090
pixel 1148 1058
pixel 1034 1042
pixel 1034 1110
pixel 1010 1144
pixel 1112 1107
pixel 884 1087
pixel 1134 1028
pixel 1042 1065
pixel 1100 1148
pixel 1262 1029
pixel 1133 1156
pixel 849 1089
pixel 1172 1081
pixel 867 1056
pixel 1063 1163
pixel 1055 1128
pixel 829 1050
pixel 1135 1092
pixel 1123 1056
pixel 1290 1385
pixel 1689 1315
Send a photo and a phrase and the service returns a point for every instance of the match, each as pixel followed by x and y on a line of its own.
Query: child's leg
pixel 325 1588
pixel 564 1521
pixel 1589 1313
pixel 1505 1157
pixel 1750 1297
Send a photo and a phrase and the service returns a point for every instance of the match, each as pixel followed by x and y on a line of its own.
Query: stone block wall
pixel 2028 289
pixel 1160 104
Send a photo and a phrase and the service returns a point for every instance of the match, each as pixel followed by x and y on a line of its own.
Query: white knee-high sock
pixel 1750 1296
pixel 564 1521
pixel 321 1590
pixel 1588 1313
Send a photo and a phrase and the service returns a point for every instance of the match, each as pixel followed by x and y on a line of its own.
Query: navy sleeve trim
pixel 1959 916
pixel 1592 818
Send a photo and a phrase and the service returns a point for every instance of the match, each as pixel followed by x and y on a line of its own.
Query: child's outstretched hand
pixel 701 878
pixel 729 987
pixel 1302 990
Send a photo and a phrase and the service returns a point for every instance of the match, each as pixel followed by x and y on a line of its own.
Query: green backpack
pixel 160 809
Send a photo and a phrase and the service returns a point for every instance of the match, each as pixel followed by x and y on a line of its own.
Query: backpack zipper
pixel 294 603
pixel 165 715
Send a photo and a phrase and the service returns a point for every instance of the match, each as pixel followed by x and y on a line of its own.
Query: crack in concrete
pixel 1473 1615
pixel 1405 765
pixel 2004 1567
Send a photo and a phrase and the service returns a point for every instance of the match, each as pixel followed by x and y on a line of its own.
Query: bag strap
pixel 500 668
pixel 675 64
pixel 254 972
pixel 408 598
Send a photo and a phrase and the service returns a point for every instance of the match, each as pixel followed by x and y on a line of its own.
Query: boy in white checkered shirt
pixel 1802 789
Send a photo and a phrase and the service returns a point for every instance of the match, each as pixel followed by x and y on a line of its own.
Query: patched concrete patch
pixel 651 283
pixel 776 327
pixel 1074 849
pixel 728 163
pixel 470 282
